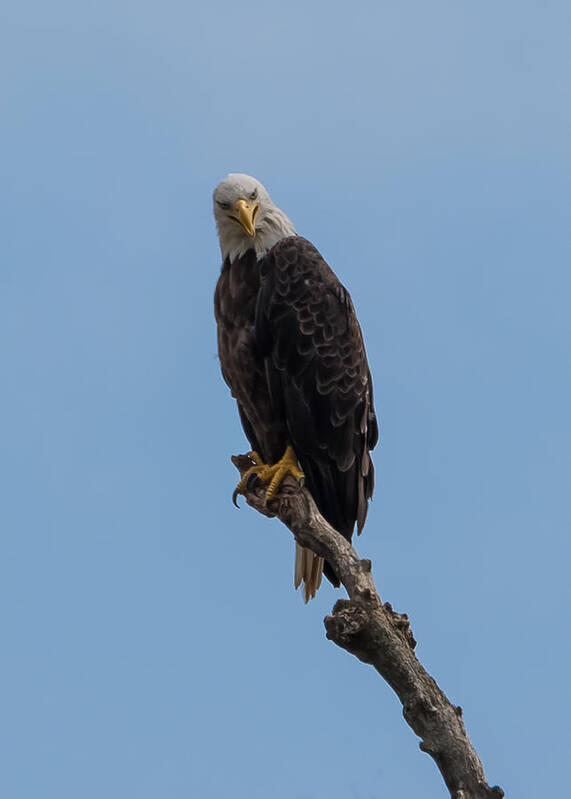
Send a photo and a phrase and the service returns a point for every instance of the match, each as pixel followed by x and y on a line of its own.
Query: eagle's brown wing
pixel 318 378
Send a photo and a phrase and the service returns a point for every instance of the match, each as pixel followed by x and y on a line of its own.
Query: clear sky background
pixel 152 643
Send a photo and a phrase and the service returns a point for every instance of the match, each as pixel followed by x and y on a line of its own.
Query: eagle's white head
pixel 246 217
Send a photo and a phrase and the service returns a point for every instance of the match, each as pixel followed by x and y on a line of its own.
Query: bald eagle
pixel 292 352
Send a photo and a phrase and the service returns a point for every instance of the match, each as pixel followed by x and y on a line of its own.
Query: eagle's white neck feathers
pixel 271 224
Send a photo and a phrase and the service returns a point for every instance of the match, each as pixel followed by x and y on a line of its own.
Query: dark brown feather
pixel 292 352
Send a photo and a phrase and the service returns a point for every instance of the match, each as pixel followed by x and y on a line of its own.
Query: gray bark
pixel 372 631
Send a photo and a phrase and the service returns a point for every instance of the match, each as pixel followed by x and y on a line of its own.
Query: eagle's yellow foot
pixel 276 473
pixel 271 476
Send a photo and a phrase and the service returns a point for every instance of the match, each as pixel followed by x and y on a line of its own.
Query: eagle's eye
pixel 254 194
pixel 224 206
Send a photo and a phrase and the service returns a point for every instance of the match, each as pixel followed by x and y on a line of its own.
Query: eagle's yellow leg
pixel 271 476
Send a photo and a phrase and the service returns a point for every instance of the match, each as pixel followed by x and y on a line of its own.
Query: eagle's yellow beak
pixel 246 215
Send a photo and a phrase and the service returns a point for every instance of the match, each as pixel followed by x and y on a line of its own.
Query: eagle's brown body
pixel 292 353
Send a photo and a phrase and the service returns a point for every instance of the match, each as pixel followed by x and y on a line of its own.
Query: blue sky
pixel 152 644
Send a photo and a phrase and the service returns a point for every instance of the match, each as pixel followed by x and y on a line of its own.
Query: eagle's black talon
pixel 235 494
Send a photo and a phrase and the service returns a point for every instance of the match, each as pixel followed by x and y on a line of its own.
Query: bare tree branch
pixel 377 635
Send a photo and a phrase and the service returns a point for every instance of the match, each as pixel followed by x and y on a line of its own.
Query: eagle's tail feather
pixel 309 570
